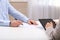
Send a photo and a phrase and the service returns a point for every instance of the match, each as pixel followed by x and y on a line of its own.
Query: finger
pixel 20 22
pixel 29 22
pixel 34 22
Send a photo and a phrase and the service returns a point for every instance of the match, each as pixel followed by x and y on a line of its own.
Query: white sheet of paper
pixel 25 25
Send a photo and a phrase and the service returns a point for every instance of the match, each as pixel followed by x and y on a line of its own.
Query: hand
pixel 49 25
pixel 16 23
pixel 32 22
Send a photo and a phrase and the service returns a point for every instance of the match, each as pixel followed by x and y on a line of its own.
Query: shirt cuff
pixel 5 24
pixel 26 20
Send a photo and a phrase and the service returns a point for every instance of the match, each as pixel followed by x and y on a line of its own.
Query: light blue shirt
pixel 5 9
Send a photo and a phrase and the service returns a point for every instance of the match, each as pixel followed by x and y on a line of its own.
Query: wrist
pixel 10 24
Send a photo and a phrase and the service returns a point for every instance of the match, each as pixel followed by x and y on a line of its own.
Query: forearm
pixel 16 14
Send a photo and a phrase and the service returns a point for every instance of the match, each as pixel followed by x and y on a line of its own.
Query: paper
pixel 26 25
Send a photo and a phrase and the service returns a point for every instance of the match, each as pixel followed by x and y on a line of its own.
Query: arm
pixel 53 33
pixel 49 30
pixel 16 14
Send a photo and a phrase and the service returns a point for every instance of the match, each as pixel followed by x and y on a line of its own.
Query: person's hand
pixel 49 25
pixel 32 22
pixel 15 23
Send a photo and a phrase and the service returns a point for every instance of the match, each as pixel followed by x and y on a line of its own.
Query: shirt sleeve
pixel 50 32
pixel 16 14
pixel 57 32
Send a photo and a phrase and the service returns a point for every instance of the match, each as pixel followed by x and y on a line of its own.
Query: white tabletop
pixel 24 32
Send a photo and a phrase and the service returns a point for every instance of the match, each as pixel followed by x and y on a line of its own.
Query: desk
pixel 22 33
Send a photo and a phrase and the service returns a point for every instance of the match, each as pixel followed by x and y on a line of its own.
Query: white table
pixel 24 32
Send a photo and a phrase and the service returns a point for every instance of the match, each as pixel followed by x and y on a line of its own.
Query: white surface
pixel 22 33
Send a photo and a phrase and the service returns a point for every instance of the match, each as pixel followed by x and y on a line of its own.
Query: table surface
pixel 23 32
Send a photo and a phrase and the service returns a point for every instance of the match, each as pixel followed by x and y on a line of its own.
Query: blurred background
pixel 38 9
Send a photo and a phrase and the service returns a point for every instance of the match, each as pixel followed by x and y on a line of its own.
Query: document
pixel 26 25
